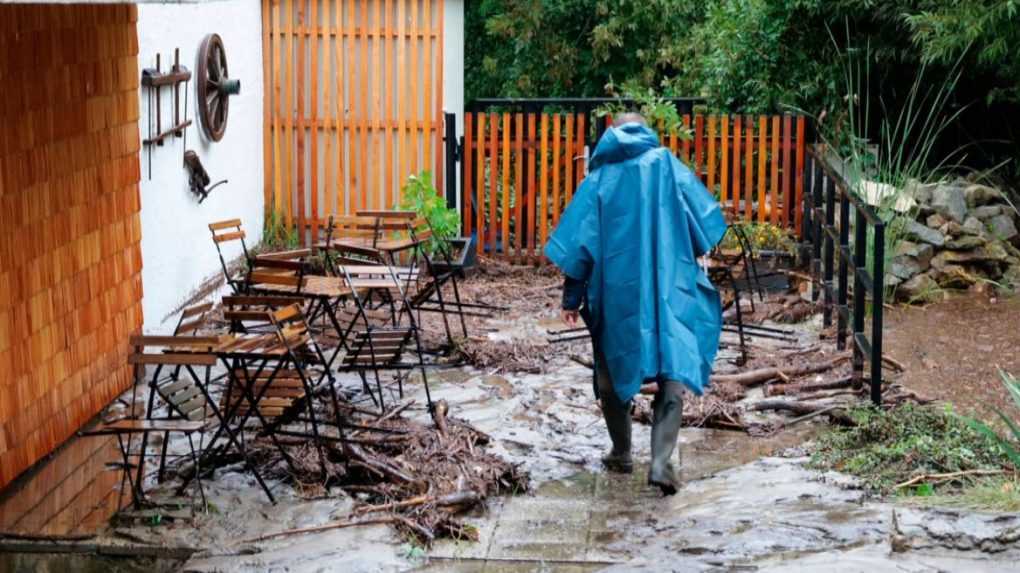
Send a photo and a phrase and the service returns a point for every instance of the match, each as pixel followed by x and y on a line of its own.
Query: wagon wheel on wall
pixel 214 87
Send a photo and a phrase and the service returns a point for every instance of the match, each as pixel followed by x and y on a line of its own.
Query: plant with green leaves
pixel 1010 445
pixel 659 112
pixel 888 447
pixel 419 194
pixel 275 234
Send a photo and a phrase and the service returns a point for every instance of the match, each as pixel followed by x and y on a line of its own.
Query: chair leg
pixel 198 470
pixel 740 322
pixel 460 309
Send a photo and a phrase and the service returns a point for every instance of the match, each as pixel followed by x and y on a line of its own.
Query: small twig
pixel 325 527
pixel 947 476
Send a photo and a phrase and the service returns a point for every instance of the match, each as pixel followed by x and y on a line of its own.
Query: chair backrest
pixel 180 390
pixel 226 232
pixel 242 311
pixel 192 319
pixel 287 276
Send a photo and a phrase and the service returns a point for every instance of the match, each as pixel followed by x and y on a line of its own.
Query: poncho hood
pixel 622 143
pixel 634 231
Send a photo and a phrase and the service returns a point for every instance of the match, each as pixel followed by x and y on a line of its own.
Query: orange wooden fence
pixel 521 170
pixel 353 103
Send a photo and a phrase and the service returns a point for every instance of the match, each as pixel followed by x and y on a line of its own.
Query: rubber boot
pixel 617 416
pixel 667 416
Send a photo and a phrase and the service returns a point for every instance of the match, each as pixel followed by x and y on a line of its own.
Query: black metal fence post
pixel 860 288
pixel 827 263
pixel 452 157
pixel 877 304
pixel 817 187
pixel 844 261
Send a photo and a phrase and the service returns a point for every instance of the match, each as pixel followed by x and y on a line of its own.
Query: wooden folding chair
pixel 226 232
pixel 374 348
pixel 426 276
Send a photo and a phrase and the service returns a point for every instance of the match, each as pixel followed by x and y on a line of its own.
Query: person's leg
pixel 617 416
pixel 667 415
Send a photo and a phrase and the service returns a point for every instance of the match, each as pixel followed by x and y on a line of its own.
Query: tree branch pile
pixel 418 477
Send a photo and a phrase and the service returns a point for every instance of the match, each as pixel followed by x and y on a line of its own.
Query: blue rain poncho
pixel 633 232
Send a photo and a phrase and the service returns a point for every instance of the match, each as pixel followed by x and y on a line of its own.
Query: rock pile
pixel 960 234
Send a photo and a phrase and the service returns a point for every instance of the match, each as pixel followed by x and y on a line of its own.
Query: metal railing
pixel 835 259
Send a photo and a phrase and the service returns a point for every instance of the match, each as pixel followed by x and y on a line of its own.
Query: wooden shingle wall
pixel 70 261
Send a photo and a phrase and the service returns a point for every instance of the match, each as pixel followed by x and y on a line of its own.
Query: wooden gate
pixel 353 104
pixel 521 169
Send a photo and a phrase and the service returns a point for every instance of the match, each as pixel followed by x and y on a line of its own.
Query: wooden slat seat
pixel 139 426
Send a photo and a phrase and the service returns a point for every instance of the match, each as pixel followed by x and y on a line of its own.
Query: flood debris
pixel 418 477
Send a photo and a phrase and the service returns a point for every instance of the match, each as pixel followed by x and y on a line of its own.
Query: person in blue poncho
pixel 628 245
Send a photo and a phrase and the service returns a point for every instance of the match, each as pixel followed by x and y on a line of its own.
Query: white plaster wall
pixel 453 67
pixel 177 251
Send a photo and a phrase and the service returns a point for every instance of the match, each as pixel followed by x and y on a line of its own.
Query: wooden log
pixel 460 498
pixel 761 375
pixel 439 416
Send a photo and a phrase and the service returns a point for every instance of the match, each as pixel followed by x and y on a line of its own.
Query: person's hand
pixel 570 317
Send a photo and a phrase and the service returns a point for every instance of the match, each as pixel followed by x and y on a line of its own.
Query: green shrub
pixel 420 195
pixel 888 447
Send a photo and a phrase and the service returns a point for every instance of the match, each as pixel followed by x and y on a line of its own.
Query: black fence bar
pixel 452 147
pixel 831 245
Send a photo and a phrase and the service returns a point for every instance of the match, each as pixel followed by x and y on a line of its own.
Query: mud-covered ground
pixel 747 504
pixel 953 350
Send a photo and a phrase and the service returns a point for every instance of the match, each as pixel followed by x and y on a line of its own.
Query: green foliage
pixel 420 195
pixel 658 112
pixel 1010 445
pixel 885 448
pixel 763 237
pixel 276 236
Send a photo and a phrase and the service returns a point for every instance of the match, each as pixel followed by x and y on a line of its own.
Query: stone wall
pixel 962 234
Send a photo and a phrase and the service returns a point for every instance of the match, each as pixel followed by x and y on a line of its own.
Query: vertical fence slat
pixel 340 184
pixel 725 163
pixel 749 168
pixel 288 111
pixel 672 143
pixel 787 149
pixel 278 189
pixel 532 148
pixel 699 146
pixel 467 179
pixel 414 96
pixel 491 224
pixel 518 181
pixel 687 140
pixel 798 205
pixel 579 153
pixel 402 113
pixel 504 207
pixel 554 205
pixel 267 102
pixel 736 191
pixel 568 164
pixel 426 115
pixel 327 106
pixel 544 184
pixel 314 132
pixel 762 137
pixel 711 154
pixel 775 171
pixel 480 184
pixel 389 58
pixel 438 83
pixel 301 123
pixel 379 190
pixel 365 176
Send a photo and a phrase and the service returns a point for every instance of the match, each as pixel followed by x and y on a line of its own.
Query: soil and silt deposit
pixel 506 475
